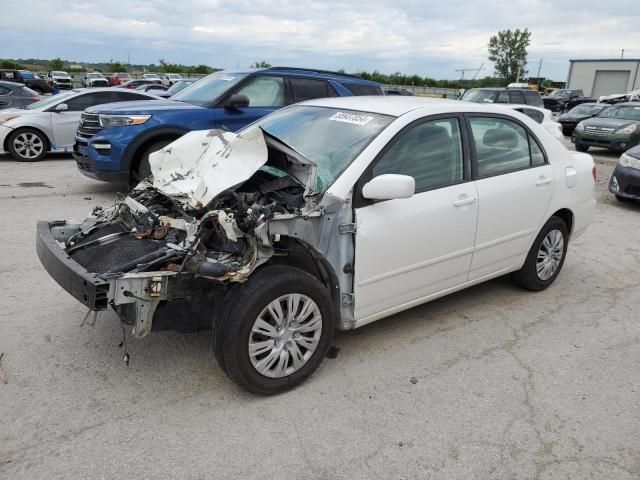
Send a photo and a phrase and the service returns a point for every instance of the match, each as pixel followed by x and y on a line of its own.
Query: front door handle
pixel 543 181
pixel 461 202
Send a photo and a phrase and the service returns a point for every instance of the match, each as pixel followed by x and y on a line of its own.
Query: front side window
pixel 503 146
pixel 430 152
pixel 264 92
pixel 208 89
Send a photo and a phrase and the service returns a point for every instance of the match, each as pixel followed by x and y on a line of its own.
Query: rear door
pixel 266 94
pixel 515 185
pixel 65 123
pixel 408 249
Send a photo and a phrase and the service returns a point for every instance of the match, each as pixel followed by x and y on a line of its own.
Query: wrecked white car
pixel 326 215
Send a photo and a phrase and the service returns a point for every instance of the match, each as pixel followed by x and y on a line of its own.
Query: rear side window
pixel 532 98
pixel 503 97
pixel 127 97
pixel 4 90
pixel 534 114
pixel 503 146
pixel 358 89
pixel 28 91
pixel 516 97
pixel 79 103
pixel 307 89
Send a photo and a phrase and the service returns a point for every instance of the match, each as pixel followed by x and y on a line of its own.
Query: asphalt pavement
pixel 491 383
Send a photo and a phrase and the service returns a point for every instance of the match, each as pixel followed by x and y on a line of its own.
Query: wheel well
pixel 566 216
pixel 19 129
pixel 147 143
pixel 298 254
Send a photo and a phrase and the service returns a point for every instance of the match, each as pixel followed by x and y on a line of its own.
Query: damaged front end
pixel 212 215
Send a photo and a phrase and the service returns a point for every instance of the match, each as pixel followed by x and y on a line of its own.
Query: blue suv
pixel 113 141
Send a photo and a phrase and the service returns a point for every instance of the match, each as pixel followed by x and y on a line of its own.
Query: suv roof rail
pixel 315 70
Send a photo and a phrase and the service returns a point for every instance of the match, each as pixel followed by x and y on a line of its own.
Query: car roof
pixel 306 72
pixel 395 105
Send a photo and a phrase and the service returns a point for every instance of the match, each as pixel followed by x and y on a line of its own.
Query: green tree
pixel 115 66
pixel 166 67
pixel 56 64
pixel 261 64
pixel 508 50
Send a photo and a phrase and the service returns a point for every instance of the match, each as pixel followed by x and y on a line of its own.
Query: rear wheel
pixel 545 258
pixel 582 148
pixel 27 145
pixel 276 329
pixel 143 170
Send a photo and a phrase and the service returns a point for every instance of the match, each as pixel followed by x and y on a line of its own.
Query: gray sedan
pixel 16 95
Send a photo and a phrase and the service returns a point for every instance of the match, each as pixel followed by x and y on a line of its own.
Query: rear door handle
pixel 543 181
pixel 461 202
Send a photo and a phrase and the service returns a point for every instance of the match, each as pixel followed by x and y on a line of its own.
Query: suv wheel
pixel 546 257
pixel 27 145
pixel 143 170
pixel 275 331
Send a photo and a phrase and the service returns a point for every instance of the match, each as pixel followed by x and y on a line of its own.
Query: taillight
pixel 593 171
pixel 35 99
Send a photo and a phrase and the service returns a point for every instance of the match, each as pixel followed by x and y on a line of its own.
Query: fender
pixel 128 158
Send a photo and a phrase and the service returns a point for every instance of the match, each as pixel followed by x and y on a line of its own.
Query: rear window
pixel 359 89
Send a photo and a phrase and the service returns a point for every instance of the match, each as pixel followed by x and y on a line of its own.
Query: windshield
pixel 179 86
pixel 59 74
pixel 208 89
pixel 587 109
pixel 329 137
pixel 623 113
pixel 478 96
pixel 61 97
pixel 94 75
pixel 28 75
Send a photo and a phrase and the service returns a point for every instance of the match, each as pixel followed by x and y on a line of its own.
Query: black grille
pixel 89 125
pixel 103 258
pixel 85 165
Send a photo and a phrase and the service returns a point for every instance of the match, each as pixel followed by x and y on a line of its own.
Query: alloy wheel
pixel 28 145
pixel 550 255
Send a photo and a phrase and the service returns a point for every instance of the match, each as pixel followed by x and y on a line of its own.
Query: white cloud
pixel 431 38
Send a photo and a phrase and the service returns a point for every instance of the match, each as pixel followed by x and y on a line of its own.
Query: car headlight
pixel 107 121
pixel 629 161
pixel 580 127
pixel 628 130
pixel 6 118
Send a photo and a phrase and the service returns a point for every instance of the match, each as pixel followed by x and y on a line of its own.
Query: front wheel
pixel 143 170
pixel 27 145
pixel 545 258
pixel 275 331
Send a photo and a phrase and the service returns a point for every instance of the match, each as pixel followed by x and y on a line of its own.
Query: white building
pixel 604 76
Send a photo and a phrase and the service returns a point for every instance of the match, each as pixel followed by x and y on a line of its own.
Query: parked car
pixel 16 95
pixel 94 79
pixel 135 83
pixel 60 80
pixel 227 99
pixel 617 128
pixel 540 115
pixel 398 91
pixel 27 78
pixel 625 180
pixel 153 77
pixel 117 78
pixel 565 99
pixel 152 88
pixel 577 114
pixel 50 124
pixel 503 95
pixel 170 78
pixel 316 218
pixel 632 96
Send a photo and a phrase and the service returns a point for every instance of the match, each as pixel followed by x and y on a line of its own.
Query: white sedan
pixel 50 125
pixel 329 214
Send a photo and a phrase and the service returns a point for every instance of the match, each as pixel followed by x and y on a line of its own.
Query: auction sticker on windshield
pixel 353 118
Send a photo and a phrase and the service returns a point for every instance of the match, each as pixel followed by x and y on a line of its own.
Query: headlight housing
pixel 628 130
pixel 6 118
pixel 580 127
pixel 629 161
pixel 107 121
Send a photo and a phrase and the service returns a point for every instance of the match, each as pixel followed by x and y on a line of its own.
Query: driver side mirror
pixel 62 107
pixel 237 101
pixel 389 187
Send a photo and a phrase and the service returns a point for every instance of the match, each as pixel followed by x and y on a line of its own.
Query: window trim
pixel 472 146
pixel 359 201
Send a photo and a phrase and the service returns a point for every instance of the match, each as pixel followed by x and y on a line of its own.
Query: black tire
pixel 244 305
pixel 143 169
pixel 527 277
pixel 582 148
pixel 38 138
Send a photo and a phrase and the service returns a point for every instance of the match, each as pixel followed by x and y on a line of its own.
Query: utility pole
pixel 622 54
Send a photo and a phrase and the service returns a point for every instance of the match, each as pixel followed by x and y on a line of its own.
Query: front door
pixel 65 123
pixel 409 249
pixel 515 185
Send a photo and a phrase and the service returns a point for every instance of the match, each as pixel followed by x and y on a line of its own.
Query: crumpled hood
pixel 202 164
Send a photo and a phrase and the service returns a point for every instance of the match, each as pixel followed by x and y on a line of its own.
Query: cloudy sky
pixel 425 37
